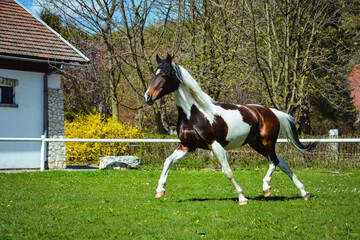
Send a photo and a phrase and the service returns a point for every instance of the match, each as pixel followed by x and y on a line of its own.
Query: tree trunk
pixel 112 91
pixel 304 120
pixel 162 125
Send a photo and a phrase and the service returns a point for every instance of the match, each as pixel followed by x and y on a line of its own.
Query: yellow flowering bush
pixel 97 127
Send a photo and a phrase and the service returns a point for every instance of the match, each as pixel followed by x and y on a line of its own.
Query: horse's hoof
pixel 267 192
pixel 306 197
pixel 159 194
pixel 243 202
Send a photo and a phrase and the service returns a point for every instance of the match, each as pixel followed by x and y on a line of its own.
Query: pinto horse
pixel 207 124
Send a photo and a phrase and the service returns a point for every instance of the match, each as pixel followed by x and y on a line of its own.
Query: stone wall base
pixel 56 154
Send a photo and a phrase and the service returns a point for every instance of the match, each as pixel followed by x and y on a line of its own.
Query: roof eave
pixel 49 61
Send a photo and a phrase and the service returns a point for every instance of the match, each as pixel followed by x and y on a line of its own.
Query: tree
pixel 290 55
pixel 52 20
pixel 212 47
pixel 135 17
pixel 292 51
pixel 121 26
pixel 84 87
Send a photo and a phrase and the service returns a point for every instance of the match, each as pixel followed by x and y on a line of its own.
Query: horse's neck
pixel 187 96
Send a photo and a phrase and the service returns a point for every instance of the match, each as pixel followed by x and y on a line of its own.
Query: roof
pixel 354 79
pixel 24 35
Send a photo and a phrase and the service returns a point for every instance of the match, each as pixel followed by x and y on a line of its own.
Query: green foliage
pixel 291 55
pixel 197 205
pixel 97 127
pixel 54 21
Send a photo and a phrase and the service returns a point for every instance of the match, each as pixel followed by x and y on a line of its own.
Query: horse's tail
pixel 288 128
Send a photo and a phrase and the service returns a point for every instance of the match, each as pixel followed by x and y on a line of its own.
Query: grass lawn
pixel 202 204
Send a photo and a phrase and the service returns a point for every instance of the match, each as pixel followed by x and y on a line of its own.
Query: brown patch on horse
pixel 269 124
pixel 183 148
pixel 197 132
pixel 269 128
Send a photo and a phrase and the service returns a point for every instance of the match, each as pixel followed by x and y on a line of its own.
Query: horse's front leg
pixel 179 153
pixel 220 153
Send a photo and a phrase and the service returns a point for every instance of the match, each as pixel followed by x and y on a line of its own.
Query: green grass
pixel 120 205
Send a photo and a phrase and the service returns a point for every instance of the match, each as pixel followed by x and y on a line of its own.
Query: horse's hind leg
pixel 285 168
pixel 267 179
pixel 264 148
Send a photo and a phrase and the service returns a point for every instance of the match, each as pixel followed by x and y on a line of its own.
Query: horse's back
pixel 232 126
pixel 248 123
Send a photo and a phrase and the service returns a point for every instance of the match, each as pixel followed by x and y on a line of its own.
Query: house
pixel 31 101
pixel 354 79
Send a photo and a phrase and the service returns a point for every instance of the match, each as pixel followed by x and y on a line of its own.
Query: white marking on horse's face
pixel 146 95
pixel 157 71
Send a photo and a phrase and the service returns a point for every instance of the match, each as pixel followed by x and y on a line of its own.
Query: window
pixel 6 95
pixel 7 92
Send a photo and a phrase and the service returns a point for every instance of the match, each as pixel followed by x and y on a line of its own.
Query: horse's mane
pixel 204 101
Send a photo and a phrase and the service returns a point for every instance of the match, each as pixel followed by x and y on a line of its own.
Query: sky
pixel 34 6
pixel 31 5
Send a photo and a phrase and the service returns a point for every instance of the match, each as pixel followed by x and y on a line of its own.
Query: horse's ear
pixel 158 59
pixel 169 59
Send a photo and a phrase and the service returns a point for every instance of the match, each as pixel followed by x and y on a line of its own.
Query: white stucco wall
pixel 54 81
pixel 26 121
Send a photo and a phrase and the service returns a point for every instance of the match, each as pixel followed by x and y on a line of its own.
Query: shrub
pixel 97 127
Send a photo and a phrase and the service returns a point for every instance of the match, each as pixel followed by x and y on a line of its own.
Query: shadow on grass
pixel 259 198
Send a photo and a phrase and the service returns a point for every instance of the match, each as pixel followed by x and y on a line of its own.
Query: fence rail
pixel 44 140
pixel 155 140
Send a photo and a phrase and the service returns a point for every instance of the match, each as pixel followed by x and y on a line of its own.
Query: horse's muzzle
pixel 148 99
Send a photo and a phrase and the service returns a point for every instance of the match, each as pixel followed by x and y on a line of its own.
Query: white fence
pixel 44 140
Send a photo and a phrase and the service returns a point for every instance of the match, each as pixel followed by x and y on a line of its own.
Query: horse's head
pixel 165 80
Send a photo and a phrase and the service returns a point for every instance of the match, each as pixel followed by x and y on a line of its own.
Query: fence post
pixel 334 147
pixel 42 153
